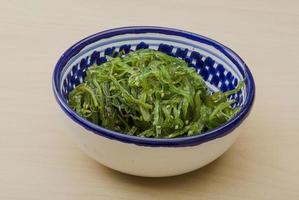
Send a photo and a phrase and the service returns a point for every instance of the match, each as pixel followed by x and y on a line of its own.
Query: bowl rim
pixel 221 131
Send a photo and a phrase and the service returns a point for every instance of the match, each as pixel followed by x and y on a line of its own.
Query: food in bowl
pixel 220 68
pixel 148 93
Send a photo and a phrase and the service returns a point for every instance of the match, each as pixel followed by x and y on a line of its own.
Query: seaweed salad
pixel 148 93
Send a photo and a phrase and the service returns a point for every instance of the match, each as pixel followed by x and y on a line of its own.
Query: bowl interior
pixel 217 70
pixel 220 67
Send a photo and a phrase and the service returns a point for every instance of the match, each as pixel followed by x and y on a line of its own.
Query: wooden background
pixel 39 161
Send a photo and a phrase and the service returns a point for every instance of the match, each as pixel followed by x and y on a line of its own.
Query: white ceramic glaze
pixel 149 161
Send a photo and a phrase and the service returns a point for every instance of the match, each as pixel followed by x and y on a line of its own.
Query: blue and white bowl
pixel 221 68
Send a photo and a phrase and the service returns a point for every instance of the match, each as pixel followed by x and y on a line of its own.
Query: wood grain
pixel 39 161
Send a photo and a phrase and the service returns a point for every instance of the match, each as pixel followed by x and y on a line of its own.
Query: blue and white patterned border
pixel 230 57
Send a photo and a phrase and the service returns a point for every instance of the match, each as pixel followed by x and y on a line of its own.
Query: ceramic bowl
pixel 221 68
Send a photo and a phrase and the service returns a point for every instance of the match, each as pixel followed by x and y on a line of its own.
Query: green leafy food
pixel 147 93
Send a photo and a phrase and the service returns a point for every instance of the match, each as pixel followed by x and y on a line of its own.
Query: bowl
pixel 221 68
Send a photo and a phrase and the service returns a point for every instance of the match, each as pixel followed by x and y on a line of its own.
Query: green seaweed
pixel 147 93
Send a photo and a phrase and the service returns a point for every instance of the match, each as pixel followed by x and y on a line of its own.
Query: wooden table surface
pixel 38 160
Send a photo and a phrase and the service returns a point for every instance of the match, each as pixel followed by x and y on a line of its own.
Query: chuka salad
pixel 147 93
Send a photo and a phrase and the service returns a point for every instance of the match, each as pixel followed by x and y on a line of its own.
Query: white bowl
pixel 221 68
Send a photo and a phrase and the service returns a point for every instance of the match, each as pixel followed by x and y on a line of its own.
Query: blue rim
pixel 175 142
